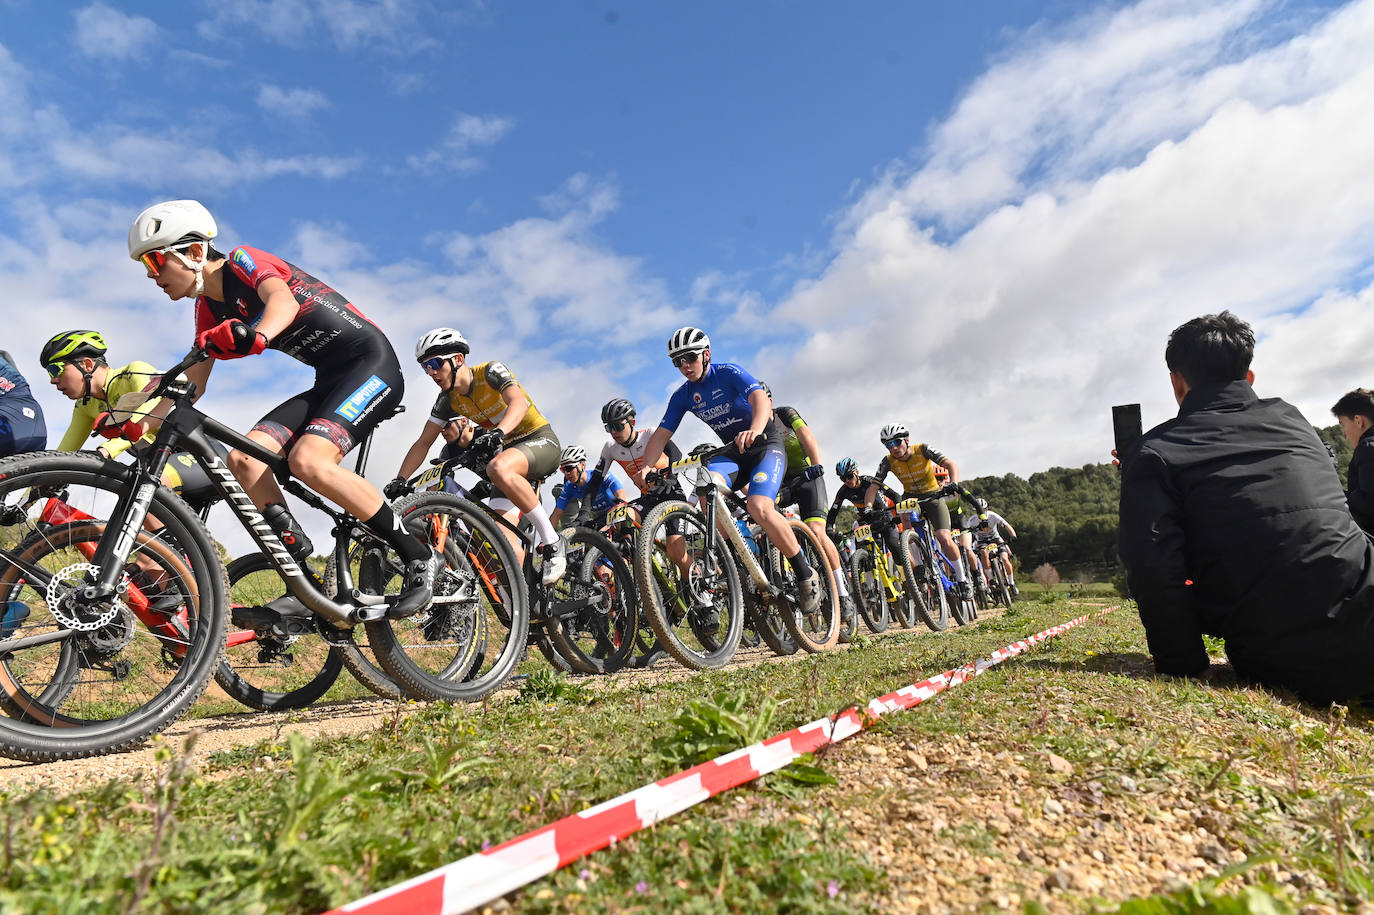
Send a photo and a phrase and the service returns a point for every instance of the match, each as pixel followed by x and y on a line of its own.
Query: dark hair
pixel 1359 402
pixel 1212 348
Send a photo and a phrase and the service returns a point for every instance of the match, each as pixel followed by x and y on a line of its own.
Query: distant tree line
pixel 1068 516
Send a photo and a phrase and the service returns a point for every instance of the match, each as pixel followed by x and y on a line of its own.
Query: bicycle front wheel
pixel 595 608
pixel 818 630
pixel 469 641
pixel 923 585
pixel 868 591
pixel 1001 591
pixel 82 677
pixel 688 590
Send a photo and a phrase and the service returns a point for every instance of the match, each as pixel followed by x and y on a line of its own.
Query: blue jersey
pixel 605 495
pixel 720 400
pixel 21 418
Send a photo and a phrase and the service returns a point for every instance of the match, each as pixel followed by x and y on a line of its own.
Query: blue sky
pixel 981 219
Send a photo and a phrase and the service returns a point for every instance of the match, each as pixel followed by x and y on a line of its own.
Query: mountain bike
pixel 587 621
pixel 880 582
pixel 997 552
pixel 700 616
pixel 87 673
pixel 936 592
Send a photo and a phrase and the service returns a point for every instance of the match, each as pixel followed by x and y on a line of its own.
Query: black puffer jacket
pixel 1238 496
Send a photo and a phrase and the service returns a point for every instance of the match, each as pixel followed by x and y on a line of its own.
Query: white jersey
pixel 631 457
pixel 994 524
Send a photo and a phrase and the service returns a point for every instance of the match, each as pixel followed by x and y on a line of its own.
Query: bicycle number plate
pixel 863 532
pixel 431 477
pixel 685 463
pixel 618 513
pixel 909 505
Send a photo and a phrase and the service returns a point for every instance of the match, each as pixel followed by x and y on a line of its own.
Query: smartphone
pixel 1125 426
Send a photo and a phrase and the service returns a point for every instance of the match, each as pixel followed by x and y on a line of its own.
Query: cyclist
pixel 251 300
pixel 915 468
pixel 516 449
pixel 577 484
pixel 733 403
pixel 989 532
pixel 853 490
pixel 21 418
pixel 626 448
pixel 807 492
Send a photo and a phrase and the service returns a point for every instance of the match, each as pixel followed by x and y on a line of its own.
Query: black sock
pixel 386 525
pixel 800 565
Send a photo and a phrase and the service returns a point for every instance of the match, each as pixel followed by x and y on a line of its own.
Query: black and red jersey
pixel 326 330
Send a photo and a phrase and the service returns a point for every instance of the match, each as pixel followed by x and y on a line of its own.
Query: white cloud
pixel 1111 181
pixel 455 151
pixel 108 34
pixel 394 26
pixel 294 103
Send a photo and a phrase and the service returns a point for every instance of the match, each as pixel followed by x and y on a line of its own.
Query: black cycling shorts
pixel 344 405
pixel 809 497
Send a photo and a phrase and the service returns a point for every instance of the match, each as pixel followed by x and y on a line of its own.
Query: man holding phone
pixel 1234 524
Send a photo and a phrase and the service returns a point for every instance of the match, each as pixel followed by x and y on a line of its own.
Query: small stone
pixel 1059 763
pixel 1052 807
pixel 1214 853
pixel 1127 783
pixel 872 749
pixel 1025 857
pixel 917 761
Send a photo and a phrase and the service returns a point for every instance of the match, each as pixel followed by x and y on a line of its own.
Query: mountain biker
pixel 733 403
pixel 77 366
pixel 577 484
pixel 807 489
pixel 990 531
pixel 516 449
pixel 21 418
pixel 853 489
pixel 626 448
pixel 915 467
pixel 251 300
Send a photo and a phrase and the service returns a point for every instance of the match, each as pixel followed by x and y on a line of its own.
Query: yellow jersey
pixel 484 405
pixel 917 472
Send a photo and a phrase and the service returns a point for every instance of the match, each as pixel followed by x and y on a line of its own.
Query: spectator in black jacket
pixel 1355 413
pixel 1238 496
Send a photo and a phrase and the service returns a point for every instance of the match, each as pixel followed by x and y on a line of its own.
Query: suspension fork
pixel 127 519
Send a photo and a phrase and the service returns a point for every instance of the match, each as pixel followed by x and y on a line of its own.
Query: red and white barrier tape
pixel 490 874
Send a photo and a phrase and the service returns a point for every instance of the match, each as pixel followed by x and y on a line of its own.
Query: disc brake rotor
pixel 61 596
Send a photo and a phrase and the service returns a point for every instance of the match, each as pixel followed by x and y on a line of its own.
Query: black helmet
pixel 72 344
pixel 616 410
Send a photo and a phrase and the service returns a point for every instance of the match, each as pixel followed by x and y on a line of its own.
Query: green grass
pixel 293 826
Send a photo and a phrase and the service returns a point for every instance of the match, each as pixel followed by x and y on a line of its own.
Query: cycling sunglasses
pixel 617 425
pixel 55 368
pixel 686 359
pixel 153 261
pixel 891 443
pixel 567 468
pixel 434 364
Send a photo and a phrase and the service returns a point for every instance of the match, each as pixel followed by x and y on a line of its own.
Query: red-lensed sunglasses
pixel 153 261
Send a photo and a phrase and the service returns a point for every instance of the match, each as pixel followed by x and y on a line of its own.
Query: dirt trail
pixel 226 732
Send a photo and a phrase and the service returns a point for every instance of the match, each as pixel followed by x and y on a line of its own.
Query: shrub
pixel 1046 576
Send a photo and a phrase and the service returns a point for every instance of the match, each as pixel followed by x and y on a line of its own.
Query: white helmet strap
pixel 198 266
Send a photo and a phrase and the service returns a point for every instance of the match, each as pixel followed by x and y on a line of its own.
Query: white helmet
pixel 687 340
pixel 573 454
pixel 164 224
pixel 442 341
pixel 893 430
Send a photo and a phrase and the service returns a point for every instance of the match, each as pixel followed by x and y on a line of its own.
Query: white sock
pixel 540 519
pixel 958 570
pixel 841 589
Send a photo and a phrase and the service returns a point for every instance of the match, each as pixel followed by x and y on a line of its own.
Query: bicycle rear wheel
pixel 698 637
pixel 276 668
pixel 81 677
pixel 469 641
pixel 924 586
pixel 1001 591
pixel 868 591
pixel 598 633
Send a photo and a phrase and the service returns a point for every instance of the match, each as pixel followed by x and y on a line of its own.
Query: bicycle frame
pixel 713 506
pixel 863 533
pixel 186 428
